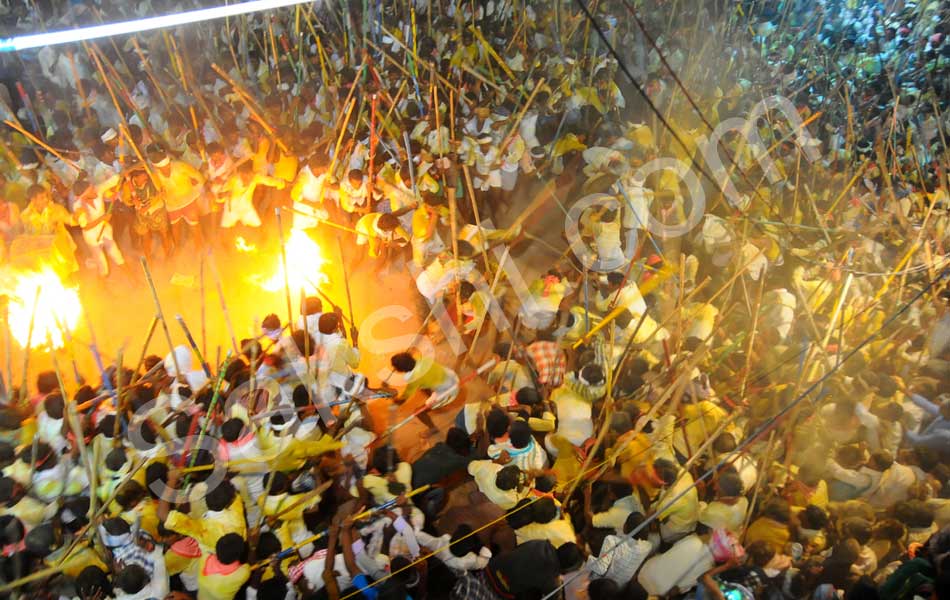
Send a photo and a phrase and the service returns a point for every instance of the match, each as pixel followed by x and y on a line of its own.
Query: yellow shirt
pixel 44 222
pixel 558 532
pixel 775 534
pixel 216 586
pixel 212 526
pixel 182 185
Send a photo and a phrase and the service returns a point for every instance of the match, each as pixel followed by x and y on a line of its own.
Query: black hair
pixel 54 406
pixel 592 374
pixel 519 434
pixel 221 496
pixel 131 578
pixel 230 548
pixel 544 510
pixel 603 589
pixel 569 557
pixel 329 323
pixel 231 429
pixel 458 441
pixel 520 514
pixel 267 545
pixel 730 484
pixel 466 289
pixel 304 342
pixel 93 582
pixel 403 362
pixel 277 482
pixel 528 396
pixel 115 459
pixel 508 478
pixel 634 520
pixel 666 471
pixel 383 457
pixel 271 321
pixel 301 396
pixel 463 542
pixel 545 484
pixel 777 510
pixel 311 306
pixel 46 381
pixel 496 422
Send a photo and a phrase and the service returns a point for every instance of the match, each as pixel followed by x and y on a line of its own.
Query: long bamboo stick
pixel 161 317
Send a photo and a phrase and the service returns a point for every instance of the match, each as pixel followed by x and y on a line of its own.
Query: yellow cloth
pixel 207 531
pixel 378 486
pixel 182 185
pixel 767 530
pixel 558 532
pixel 45 222
pixel 427 375
pixel 221 587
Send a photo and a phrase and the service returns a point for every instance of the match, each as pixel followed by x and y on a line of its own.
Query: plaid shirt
pixel 472 586
pixel 136 553
pixel 549 362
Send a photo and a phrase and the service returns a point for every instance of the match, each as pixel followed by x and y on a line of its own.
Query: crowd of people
pixel 757 407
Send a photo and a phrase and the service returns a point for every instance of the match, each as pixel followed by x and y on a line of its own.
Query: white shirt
pixel 620 558
pixel 485 472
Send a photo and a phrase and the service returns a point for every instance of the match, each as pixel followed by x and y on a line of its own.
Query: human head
pixel 230 548
pixel 311 306
pixel 569 557
pixel 508 478
pixel 544 510
pixel 329 323
pixel 519 434
pixel 131 579
pixel 38 196
pixel 633 521
pixel 403 362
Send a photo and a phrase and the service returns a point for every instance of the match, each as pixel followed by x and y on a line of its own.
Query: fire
pixel 242 246
pixel 57 307
pixel 304 264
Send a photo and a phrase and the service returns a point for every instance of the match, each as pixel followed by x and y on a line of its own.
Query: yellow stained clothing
pixel 635 451
pixel 681 516
pixel 378 486
pixel 767 530
pixel 485 472
pixel 295 452
pixel 286 166
pixel 702 419
pixel 212 526
pixel 367 232
pixel 427 375
pixel 30 511
pixel 79 558
pixel 146 512
pixel 566 466
pixel 720 515
pixel 220 587
pixel 182 185
pixel 45 222
pixel 558 532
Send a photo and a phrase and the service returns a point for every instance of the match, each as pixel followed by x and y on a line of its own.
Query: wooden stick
pixel 148 339
pixel 224 307
pixel 283 262
pixel 251 106
pixel 29 346
pixel 349 299
pixel 478 220
pixel 161 317
pixel 19 128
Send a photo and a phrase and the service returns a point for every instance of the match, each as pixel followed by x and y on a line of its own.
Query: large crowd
pixel 757 407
